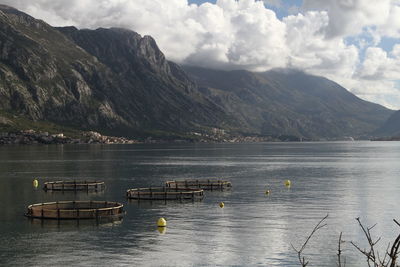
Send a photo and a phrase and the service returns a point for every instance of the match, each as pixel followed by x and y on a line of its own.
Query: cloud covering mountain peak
pixel 338 39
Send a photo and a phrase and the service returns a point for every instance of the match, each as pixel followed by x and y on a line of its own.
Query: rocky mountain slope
pixel 117 82
pixel 290 102
pixel 162 90
pixel 121 82
pixel 391 127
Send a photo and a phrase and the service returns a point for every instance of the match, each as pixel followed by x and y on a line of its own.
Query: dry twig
pixel 301 258
pixel 373 258
pixel 339 263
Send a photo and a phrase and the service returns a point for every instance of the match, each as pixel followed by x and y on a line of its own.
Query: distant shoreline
pixel 31 137
pixel 388 139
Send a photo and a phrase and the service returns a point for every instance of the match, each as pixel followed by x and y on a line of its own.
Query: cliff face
pixel 45 76
pixel 105 79
pixel 162 91
pixel 118 82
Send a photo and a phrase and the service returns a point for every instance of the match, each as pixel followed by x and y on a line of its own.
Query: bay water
pixel 343 179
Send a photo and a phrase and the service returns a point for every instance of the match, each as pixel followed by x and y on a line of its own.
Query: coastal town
pixel 33 137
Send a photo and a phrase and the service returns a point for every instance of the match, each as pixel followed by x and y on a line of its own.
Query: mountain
pixel 167 97
pixel 117 82
pixel 391 127
pixel 110 79
pixel 289 102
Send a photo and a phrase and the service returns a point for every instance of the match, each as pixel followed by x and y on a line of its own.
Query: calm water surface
pixel 345 179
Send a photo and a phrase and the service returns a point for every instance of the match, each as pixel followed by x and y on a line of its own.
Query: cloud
pixel 349 17
pixel 391 28
pixel 376 79
pixel 310 49
pixel 378 65
pixel 245 34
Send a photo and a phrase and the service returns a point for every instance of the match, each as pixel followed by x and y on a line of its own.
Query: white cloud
pixel 391 28
pixel 311 50
pixel 244 34
pixel 349 17
pixel 378 65
pixel 377 78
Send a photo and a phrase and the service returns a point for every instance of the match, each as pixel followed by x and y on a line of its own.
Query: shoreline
pixel 31 137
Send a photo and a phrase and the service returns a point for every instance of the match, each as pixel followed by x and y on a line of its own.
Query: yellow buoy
pixel 288 183
pixel 267 192
pixel 162 222
pixel 35 183
pixel 221 204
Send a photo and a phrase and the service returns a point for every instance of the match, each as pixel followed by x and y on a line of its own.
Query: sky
pixel 355 43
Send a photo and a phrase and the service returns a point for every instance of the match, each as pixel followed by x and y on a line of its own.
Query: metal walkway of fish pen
pixel 74 186
pixel 205 184
pixel 165 193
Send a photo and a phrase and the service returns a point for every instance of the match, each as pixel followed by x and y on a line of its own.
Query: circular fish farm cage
pixel 73 210
pixel 165 193
pixel 74 186
pixel 208 184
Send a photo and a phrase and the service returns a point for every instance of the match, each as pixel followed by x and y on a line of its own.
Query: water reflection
pixel 64 225
pixel 162 230
pixel 73 194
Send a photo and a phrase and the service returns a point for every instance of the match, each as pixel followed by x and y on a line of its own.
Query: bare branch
pixel 394 250
pixel 366 253
pixel 373 256
pixel 301 258
pixel 383 262
pixel 339 264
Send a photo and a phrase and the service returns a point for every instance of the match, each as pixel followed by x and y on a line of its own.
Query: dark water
pixel 346 180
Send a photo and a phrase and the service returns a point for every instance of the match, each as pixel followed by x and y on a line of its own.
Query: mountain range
pixel 290 102
pixel 391 128
pixel 117 82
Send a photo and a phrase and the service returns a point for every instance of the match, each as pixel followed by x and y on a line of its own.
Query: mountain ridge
pixel 117 82
pixel 303 100
pixel 60 81
pixel 391 128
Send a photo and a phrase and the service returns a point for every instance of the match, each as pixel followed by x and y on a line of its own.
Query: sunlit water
pixel 345 179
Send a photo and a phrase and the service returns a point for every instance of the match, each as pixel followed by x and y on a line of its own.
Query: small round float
pixel 74 186
pixel 165 193
pixel 202 184
pixel 73 210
